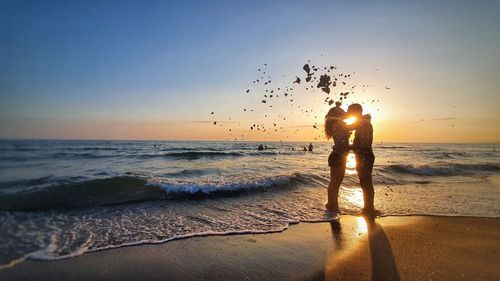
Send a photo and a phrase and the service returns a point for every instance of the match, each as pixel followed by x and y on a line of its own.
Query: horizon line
pixel 205 140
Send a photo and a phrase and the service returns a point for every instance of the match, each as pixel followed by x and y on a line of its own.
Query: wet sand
pixel 394 248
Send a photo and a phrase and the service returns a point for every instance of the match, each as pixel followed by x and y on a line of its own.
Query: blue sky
pixel 100 65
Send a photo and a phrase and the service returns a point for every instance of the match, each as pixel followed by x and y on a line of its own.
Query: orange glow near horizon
pixel 385 129
pixel 392 122
pixel 418 85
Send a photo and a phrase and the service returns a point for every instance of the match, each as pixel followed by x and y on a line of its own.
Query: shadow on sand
pixel 383 263
pixel 337 233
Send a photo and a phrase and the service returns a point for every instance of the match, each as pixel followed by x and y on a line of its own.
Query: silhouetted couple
pixel 340 131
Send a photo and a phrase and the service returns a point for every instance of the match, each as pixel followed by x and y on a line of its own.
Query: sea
pixel 63 198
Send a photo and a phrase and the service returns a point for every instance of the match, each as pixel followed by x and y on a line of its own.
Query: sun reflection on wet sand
pixel 366 252
pixel 361 227
pixel 351 243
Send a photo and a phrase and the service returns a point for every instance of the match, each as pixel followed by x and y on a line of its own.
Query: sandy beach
pixel 215 140
pixel 394 248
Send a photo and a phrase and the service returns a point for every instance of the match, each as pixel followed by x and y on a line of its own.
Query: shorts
pixel 337 159
pixel 364 160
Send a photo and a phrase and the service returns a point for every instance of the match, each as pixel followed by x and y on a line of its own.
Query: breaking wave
pixel 130 189
pixel 443 170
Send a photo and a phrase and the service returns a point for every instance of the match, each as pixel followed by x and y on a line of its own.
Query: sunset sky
pixel 157 69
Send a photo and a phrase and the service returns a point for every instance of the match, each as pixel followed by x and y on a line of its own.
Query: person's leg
pixel 364 167
pixel 365 180
pixel 336 177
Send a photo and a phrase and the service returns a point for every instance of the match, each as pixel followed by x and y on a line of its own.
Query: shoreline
pixel 399 248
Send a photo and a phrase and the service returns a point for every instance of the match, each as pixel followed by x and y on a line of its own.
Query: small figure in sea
pixel 304 148
pixel 265 146
pixel 260 148
pixel 311 147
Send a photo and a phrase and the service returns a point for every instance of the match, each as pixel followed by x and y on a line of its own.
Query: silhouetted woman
pixel 336 128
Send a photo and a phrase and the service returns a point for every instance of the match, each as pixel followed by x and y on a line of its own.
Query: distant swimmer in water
pixel 304 148
pixel 260 148
pixel 311 147
pixel 362 148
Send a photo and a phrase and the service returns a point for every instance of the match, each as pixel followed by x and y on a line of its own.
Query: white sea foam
pixel 124 193
pixel 220 185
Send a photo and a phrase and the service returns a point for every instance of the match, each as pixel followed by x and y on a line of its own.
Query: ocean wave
pixel 210 154
pixel 110 191
pixel 448 155
pixel 19 149
pixel 442 170
pixel 26 182
pixel 200 154
pixel 130 189
pixel 191 189
pixel 193 155
pixel 445 155
pixel 16 158
pixel 187 173
pixel 86 155
pixel 391 146
pixel 183 149
pixel 93 148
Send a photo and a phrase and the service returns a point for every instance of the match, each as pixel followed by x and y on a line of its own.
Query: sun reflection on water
pixel 355 197
pixel 351 164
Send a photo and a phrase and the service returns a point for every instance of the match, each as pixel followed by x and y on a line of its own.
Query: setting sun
pixel 350 121
pixel 210 135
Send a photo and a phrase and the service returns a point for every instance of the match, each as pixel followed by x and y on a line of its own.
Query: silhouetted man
pixel 362 148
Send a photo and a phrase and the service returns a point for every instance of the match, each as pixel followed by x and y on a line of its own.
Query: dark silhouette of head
pixel 355 110
pixel 335 114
